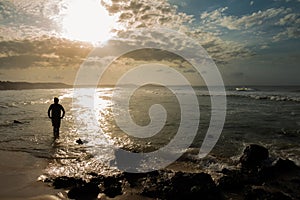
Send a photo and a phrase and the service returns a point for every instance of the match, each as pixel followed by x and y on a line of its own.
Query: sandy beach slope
pixel 18 177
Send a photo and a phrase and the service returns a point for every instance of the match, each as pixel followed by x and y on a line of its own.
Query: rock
pixel 156 184
pixel 66 182
pixel 44 179
pixel 113 186
pixel 135 179
pixel 97 179
pixel 79 141
pixel 182 186
pixel 226 171
pixel 17 122
pixel 113 190
pixel 193 186
pixel 262 194
pixel 256 179
pixel 88 191
pixel 233 181
pixel 280 168
pixel 285 165
pixel 253 156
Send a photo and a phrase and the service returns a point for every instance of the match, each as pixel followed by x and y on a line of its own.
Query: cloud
pixel 29 20
pixel 270 25
pixel 137 14
pixel 26 19
pixel 189 71
pixel 42 52
pixel 291 24
pixel 290 32
pixel 290 18
pixel 220 50
pixel 259 18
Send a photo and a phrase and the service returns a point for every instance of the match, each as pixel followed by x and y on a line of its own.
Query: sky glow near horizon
pixel 251 42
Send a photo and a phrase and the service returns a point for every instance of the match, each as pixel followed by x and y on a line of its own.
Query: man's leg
pixel 55 132
pixel 56 125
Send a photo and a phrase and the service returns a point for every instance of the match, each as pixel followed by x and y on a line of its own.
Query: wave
pixel 272 97
pixel 258 96
pixel 9 105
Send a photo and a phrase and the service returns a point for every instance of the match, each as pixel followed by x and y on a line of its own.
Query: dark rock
pixel 110 185
pixel 285 165
pixel 88 191
pixel 66 182
pixel 79 141
pixel 253 157
pixel 262 194
pixel 135 179
pixel 182 186
pixel 157 184
pixel 226 171
pixel 113 185
pixel 17 122
pixel 281 167
pixel 236 180
pixel 94 174
pixel 113 190
pixel 98 179
pixel 193 186
pixel 233 181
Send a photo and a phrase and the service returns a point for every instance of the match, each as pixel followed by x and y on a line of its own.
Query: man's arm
pixel 63 112
pixel 49 110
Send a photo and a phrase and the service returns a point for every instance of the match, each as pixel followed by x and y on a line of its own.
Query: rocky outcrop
pixel 261 178
pixel 257 177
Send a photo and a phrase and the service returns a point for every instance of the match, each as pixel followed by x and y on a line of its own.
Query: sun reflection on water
pixel 87 114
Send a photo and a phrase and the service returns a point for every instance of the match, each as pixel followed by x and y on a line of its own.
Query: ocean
pixel 269 116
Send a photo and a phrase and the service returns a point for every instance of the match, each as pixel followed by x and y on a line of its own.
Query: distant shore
pixel 8 85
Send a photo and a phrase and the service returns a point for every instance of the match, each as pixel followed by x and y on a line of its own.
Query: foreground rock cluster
pixel 256 177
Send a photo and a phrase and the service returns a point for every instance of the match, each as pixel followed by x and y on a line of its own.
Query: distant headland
pixel 8 85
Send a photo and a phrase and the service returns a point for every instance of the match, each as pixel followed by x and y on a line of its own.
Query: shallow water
pixel 269 116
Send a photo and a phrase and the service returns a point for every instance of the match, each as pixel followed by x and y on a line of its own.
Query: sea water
pixel 269 116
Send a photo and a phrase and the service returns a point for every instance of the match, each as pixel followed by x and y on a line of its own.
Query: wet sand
pixel 18 177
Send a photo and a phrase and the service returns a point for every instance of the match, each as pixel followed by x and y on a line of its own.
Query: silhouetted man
pixel 54 113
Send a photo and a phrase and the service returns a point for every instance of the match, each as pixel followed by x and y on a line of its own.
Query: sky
pixel 251 42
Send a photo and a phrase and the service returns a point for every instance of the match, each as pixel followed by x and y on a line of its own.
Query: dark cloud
pixel 189 71
pixel 21 61
pixel 153 54
pixel 42 52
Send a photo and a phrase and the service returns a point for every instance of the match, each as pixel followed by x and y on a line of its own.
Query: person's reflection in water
pixel 56 112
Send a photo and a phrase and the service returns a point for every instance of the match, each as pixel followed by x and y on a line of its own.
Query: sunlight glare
pixel 87 21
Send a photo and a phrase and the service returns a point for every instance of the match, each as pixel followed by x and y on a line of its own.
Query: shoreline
pixel 19 172
pixel 256 175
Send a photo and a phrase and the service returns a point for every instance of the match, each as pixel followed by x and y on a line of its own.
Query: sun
pixel 87 21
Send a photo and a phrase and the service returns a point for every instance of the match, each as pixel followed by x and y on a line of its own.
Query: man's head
pixel 56 100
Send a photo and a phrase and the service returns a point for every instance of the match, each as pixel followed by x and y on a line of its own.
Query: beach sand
pixel 18 177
